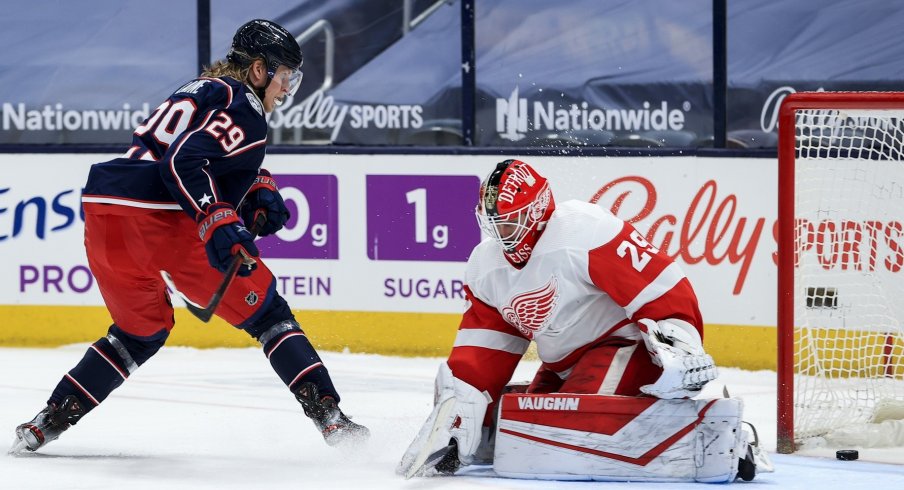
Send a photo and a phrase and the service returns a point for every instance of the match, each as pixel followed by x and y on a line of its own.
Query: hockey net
pixel 841 283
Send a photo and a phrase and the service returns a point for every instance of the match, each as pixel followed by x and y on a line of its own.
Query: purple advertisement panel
pixel 421 217
pixel 312 231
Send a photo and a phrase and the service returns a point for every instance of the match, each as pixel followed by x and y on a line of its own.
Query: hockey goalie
pixel 619 334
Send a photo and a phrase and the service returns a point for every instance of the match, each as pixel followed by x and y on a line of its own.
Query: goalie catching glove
pixel 452 433
pixel 675 346
pixel 224 237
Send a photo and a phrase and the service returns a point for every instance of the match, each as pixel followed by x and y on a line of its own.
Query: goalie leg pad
pixel 616 438
pixel 455 423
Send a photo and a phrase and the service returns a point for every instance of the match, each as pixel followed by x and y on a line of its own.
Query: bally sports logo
pixel 548 403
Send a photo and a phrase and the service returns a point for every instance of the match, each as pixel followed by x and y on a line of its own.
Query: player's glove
pixel 677 348
pixel 264 197
pixel 224 237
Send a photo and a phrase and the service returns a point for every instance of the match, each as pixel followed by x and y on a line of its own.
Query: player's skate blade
pixel 47 425
pixel 18 447
pixel 337 429
pixel 348 435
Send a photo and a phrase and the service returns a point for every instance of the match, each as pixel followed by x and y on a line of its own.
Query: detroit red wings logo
pixel 529 312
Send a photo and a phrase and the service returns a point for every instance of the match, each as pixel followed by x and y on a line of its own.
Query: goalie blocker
pixel 618 438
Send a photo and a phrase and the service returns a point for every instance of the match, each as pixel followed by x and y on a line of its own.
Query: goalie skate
pixel 337 429
pixel 47 425
pixel 756 460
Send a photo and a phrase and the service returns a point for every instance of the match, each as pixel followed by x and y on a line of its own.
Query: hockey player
pixel 615 322
pixel 173 202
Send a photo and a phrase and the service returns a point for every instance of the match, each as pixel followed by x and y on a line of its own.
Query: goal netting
pixel 841 254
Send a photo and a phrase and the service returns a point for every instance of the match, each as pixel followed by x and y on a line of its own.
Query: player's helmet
pixel 261 38
pixel 515 203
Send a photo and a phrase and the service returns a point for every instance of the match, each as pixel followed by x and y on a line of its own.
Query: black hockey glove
pixel 224 237
pixel 264 197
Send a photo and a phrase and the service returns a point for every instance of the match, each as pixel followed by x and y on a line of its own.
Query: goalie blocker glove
pixel 264 197
pixel 224 237
pixel 675 346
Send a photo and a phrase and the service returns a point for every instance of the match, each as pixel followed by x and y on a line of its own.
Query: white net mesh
pixel 848 280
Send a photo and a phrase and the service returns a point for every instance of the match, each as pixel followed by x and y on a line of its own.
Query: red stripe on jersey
pixel 483 316
pixel 482 368
pixel 679 302
pixel 245 148
pixel 625 265
pixel 97 204
pixel 172 165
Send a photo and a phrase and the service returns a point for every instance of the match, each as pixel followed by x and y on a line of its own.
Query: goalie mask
pixel 268 40
pixel 515 203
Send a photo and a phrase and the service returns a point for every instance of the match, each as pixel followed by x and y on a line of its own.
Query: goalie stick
pixel 425 459
pixel 204 313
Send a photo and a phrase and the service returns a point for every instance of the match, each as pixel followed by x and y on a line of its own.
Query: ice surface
pixel 197 419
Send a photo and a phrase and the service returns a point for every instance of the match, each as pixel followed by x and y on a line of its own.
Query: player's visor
pixel 290 81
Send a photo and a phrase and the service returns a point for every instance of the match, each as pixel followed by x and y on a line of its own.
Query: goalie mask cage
pixel 840 259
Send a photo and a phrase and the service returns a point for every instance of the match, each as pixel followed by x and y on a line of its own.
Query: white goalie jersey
pixel 619 334
pixel 590 276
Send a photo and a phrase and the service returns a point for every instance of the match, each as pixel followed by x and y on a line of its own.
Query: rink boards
pixel 373 258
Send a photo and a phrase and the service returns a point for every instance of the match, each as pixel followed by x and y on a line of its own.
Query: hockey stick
pixel 425 459
pixel 204 313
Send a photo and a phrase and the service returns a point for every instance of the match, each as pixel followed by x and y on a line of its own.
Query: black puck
pixel 847 454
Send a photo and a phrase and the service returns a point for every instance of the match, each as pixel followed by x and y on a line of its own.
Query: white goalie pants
pixel 562 436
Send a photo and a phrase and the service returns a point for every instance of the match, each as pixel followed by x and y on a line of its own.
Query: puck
pixel 847 454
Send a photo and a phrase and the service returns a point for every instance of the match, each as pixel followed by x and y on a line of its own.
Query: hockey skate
pixel 756 461
pixel 47 425
pixel 337 429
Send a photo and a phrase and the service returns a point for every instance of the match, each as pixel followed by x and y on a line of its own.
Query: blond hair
pixel 224 68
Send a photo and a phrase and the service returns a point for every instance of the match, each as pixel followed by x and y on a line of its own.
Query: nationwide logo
pixel 548 403
pixel 515 115
pixel 56 117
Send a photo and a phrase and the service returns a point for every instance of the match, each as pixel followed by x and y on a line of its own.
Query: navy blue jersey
pixel 204 144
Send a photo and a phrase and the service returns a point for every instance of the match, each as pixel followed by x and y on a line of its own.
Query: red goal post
pixel 840 255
